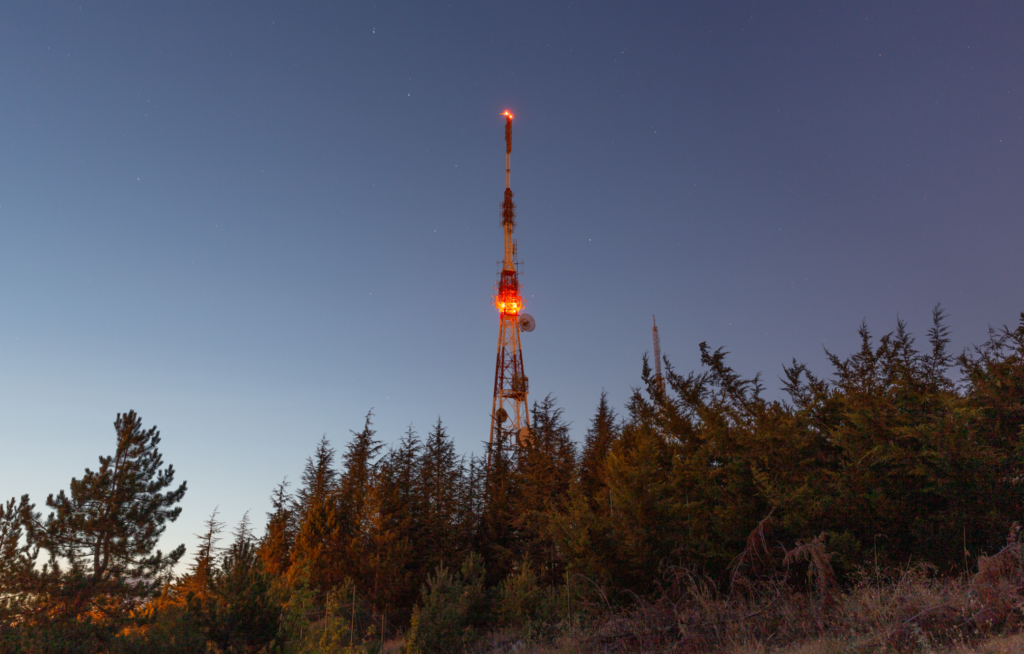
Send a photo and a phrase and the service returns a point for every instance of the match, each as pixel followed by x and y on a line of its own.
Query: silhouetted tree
pixel 597 443
pixel 101 537
pixel 17 559
pixel 497 538
pixel 196 583
pixel 243 616
pixel 439 487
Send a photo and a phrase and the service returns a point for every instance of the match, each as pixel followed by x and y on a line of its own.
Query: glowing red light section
pixel 506 113
pixel 508 304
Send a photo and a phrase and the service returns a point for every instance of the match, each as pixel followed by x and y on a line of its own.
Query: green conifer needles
pixel 101 537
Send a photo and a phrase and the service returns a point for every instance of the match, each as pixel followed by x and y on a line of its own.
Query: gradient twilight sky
pixel 253 221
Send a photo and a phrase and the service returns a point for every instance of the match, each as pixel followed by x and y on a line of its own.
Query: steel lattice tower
pixel 510 415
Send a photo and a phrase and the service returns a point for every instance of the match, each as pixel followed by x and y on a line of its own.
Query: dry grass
pixel 770 610
pixel 789 602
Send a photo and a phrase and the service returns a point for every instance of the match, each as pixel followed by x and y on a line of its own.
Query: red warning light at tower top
pixel 507 113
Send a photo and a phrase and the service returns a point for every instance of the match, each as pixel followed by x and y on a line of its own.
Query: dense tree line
pixel 899 454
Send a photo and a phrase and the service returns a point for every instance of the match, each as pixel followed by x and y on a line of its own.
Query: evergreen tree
pixel 398 478
pixel 244 616
pixel 547 464
pixel 17 559
pixel 319 478
pixel 106 531
pixel 275 547
pixel 472 499
pixel 404 465
pixel 497 539
pixel 354 489
pixel 597 443
pixel 909 457
pixel 322 528
pixel 384 546
pixel 640 529
pixel 545 469
pixel 993 377
pixel 439 487
pixel 359 459
pixel 196 583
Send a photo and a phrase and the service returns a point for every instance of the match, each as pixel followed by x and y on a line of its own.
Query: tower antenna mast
pixel 657 357
pixel 510 414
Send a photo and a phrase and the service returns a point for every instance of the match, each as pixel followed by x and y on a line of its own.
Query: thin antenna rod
pixel 657 356
pixel 508 149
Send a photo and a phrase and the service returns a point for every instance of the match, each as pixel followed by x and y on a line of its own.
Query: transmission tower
pixel 657 357
pixel 510 414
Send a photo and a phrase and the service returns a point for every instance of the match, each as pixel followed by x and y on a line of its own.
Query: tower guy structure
pixel 510 414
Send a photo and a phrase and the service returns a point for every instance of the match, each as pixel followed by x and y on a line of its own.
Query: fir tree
pixel 275 547
pixel 472 499
pixel 404 465
pixel 545 469
pixel 383 544
pixel 397 483
pixel 497 539
pixel 319 478
pixel 547 464
pixel 359 459
pixel 196 583
pixel 439 486
pixel 244 616
pixel 322 527
pixel 354 489
pixel 597 443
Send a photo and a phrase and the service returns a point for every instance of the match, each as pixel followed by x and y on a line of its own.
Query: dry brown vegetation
pixel 789 602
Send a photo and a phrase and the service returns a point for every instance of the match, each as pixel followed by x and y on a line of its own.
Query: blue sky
pixel 253 222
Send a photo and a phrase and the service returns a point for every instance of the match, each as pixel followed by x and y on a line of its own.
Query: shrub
pixel 519 596
pixel 451 609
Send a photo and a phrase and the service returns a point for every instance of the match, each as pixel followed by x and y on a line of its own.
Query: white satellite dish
pixel 527 323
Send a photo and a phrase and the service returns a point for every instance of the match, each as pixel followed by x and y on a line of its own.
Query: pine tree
pixel 17 560
pixel 107 529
